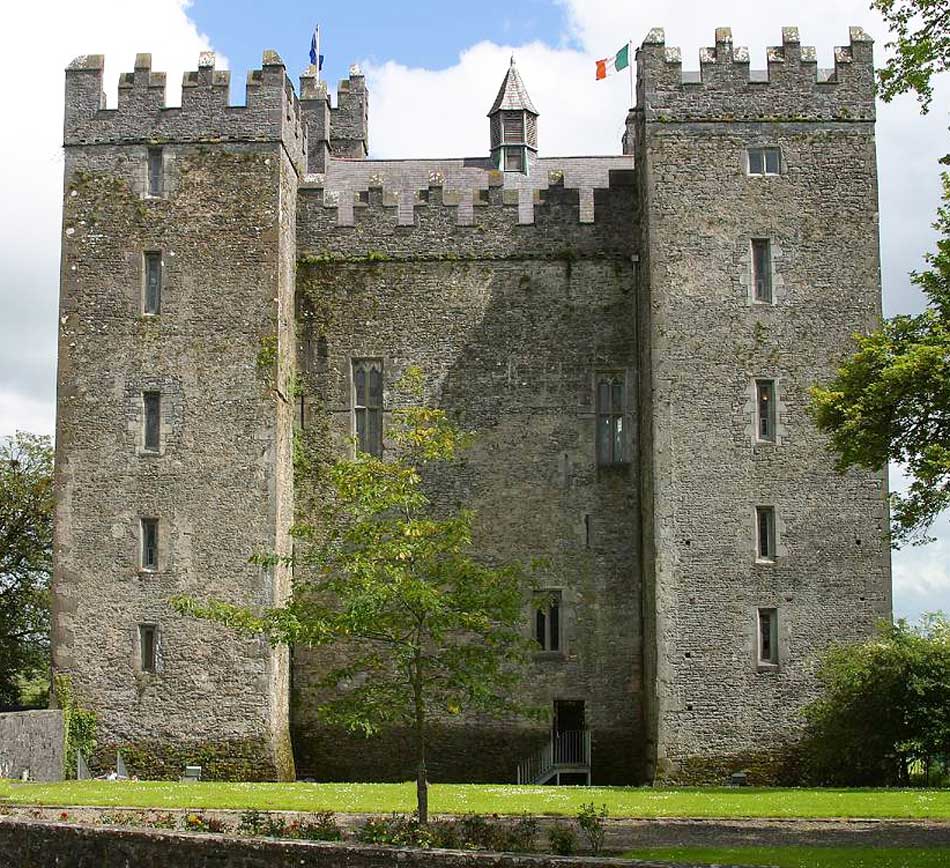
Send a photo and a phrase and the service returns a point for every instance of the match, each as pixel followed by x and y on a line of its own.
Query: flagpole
pixel 630 67
pixel 318 52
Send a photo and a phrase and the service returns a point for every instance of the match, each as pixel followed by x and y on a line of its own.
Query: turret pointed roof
pixel 513 95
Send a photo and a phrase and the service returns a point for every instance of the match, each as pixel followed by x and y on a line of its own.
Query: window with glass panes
pixel 765 161
pixel 765 533
pixel 153 282
pixel 610 414
pixel 547 620
pixel 768 636
pixel 153 412
pixel 155 171
pixel 368 405
pixel 765 410
pixel 762 269
pixel 149 532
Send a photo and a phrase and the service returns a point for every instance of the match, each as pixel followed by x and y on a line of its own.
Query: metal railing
pixel 570 749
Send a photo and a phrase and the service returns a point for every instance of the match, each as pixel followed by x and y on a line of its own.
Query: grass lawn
pixel 803 857
pixel 489 799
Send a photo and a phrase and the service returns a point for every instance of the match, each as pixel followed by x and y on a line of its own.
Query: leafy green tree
pixel 884 707
pixel 921 47
pixel 890 401
pixel 26 544
pixel 426 628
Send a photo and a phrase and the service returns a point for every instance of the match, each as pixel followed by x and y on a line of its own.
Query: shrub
pixel 445 834
pixel 593 824
pixel 476 833
pixel 321 827
pixel 520 838
pixel 884 710
pixel 563 839
pixel 397 830
pixel 201 823
pixel 259 824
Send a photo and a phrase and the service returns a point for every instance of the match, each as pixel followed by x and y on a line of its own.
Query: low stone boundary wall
pixel 32 741
pixel 34 844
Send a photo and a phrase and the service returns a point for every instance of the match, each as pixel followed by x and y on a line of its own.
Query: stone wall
pixel 220 352
pixel 32 741
pixel 705 341
pixel 26 844
pixel 510 336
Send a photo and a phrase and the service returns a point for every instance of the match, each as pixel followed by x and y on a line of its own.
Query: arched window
pixel 368 405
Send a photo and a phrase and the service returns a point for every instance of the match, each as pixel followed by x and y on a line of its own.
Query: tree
pixel 428 630
pixel 890 401
pixel 922 47
pixel 26 543
pixel 884 708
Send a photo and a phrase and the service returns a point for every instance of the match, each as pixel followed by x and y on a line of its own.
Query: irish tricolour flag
pixel 610 65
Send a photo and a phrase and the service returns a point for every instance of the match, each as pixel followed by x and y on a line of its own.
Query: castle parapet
pixel 272 112
pixel 793 88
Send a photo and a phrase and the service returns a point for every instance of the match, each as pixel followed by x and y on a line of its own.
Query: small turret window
pixel 152 303
pixel 514 160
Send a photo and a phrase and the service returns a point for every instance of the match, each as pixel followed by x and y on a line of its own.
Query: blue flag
pixel 315 48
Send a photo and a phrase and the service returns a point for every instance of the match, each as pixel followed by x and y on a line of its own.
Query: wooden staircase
pixel 566 753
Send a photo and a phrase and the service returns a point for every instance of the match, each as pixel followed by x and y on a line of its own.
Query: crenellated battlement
pixel 792 88
pixel 272 112
pixel 403 217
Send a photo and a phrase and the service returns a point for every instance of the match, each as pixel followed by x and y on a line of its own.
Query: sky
pixel 423 60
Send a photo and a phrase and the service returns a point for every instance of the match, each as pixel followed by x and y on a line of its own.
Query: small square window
pixel 768 637
pixel 765 161
pixel 765 533
pixel 762 269
pixel 765 410
pixel 152 303
pixel 547 620
pixel 368 405
pixel 149 531
pixel 152 403
pixel 155 172
pixel 147 647
pixel 514 160
pixel 611 410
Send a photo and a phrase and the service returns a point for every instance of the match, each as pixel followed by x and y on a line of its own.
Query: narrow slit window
pixel 768 637
pixel 765 533
pixel 150 544
pixel 762 269
pixel 147 647
pixel 547 620
pixel 153 282
pixel 765 410
pixel 155 172
pixel 611 398
pixel 368 405
pixel 765 161
pixel 153 420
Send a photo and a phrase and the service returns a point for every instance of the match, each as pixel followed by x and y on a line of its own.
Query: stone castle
pixel 632 337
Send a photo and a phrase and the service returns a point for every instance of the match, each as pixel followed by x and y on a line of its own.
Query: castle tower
pixel 513 124
pixel 174 426
pixel 759 260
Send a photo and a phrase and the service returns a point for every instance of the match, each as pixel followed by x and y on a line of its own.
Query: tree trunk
pixel 422 785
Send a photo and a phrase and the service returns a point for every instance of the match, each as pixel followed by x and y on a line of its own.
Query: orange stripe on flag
pixel 601 69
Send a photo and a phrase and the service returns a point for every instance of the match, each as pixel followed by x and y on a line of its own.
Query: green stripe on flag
pixel 622 60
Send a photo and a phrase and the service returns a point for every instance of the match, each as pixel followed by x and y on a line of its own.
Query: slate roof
pixel 513 95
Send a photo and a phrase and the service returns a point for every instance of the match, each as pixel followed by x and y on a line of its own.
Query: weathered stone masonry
pixel 514 290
